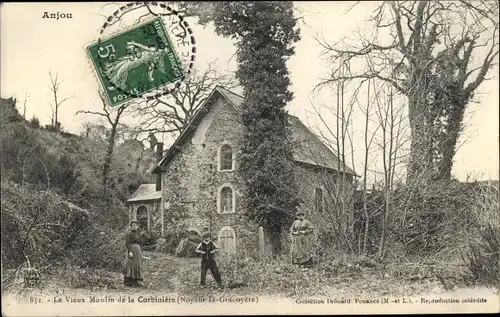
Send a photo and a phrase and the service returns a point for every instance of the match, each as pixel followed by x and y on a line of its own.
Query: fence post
pixel 261 243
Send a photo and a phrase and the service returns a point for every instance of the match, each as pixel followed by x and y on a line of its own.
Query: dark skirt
pixel 133 266
pixel 301 249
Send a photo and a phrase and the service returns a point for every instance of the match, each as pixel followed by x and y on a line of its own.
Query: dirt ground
pixel 161 279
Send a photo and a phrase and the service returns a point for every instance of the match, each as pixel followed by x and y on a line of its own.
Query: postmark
pixel 146 60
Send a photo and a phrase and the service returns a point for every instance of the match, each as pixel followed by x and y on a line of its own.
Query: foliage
pixel 432 217
pixel 438 220
pixel 35 123
pixel 483 252
pixel 9 112
pixel 42 227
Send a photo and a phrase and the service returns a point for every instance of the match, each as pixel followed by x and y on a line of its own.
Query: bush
pixel 171 239
pixel 148 238
pixel 428 218
pixel 42 227
pixel 35 123
pixel 483 254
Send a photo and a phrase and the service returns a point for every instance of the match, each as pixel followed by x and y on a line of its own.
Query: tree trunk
pixel 420 161
pixel 109 154
pixel 448 141
pixel 383 238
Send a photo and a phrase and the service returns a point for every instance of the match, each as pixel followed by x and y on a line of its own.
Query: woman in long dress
pixel 133 263
pixel 301 231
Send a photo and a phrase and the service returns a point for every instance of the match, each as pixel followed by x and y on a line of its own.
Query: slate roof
pixel 309 150
pixel 145 192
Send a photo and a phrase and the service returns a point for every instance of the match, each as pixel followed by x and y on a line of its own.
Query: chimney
pixel 159 155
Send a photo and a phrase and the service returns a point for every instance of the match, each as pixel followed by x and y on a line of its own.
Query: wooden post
pixel 162 208
pixel 261 242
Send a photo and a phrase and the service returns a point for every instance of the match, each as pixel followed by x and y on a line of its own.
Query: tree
pixel 114 121
pixel 24 104
pixel 390 118
pixel 265 34
pixel 54 87
pixel 427 58
pixel 381 124
pixel 173 112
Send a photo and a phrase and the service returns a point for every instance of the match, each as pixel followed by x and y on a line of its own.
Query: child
pixel 207 248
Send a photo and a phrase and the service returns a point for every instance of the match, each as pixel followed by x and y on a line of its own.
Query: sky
pixel 31 46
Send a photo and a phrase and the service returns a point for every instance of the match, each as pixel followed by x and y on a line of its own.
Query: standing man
pixel 207 249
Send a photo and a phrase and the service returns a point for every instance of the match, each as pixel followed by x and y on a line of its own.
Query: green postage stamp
pixel 135 62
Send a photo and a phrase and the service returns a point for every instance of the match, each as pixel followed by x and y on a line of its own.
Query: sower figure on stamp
pixel 133 263
pixel 207 249
pixel 301 231
pixel 138 55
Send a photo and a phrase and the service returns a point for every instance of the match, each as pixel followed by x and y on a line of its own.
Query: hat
pixel 205 235
pixel 300 212
pixel 133 221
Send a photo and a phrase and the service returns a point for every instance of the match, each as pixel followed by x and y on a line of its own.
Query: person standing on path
pixel 207 249
pixel 133 262
pixel 301 231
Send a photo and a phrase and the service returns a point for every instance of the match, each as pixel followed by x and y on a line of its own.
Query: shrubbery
pixel 42 227
pixel 483 253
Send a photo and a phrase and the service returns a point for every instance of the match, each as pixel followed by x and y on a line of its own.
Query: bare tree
pixel 427 58
pixel 55 84
pixel 383 124
pixel 24 104
pixel 368 140
pixel 114 121
pixel 339 193
pixel 172 113
pixel 390 120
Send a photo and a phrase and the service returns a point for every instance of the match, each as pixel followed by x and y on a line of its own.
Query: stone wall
pixel 192 182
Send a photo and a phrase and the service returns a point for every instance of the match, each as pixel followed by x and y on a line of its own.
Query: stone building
pixel 198 185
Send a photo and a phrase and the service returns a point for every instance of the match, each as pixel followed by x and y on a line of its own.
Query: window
pixel 142 217
pixel 318 199
pixel 226 200
pixel 227 240
pixel 226 158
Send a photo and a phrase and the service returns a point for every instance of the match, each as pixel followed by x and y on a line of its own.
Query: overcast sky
pixel 31 46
